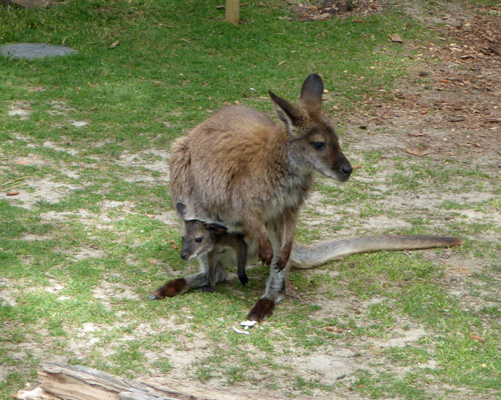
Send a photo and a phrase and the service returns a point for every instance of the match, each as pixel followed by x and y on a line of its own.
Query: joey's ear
pixel 181 208
pixel 311 93
pixel 288 113
pixel 186 212
pixel 216 228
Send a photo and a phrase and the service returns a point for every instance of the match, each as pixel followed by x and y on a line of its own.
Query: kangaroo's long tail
pixel 307 256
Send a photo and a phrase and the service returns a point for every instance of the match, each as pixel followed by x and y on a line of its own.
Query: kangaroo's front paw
pixel 170 289
pixel 261 310
pixel 280 264
pixel 266 253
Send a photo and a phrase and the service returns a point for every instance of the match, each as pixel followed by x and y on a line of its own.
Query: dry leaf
pixel 477 338
pixel 396 38
pixel 493 120
pixel 496 48
pixel 12 193
pixel 280 63
pixel 114 45
pixel 417 152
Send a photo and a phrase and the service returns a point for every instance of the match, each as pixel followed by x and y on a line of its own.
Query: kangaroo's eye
pixel 198 240
pixel 318 145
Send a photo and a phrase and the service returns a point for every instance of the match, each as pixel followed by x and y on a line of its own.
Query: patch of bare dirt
pixel 450 107
pixel 321 10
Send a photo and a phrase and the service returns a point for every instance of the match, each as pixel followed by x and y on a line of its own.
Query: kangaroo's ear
pixel 288 113
pixel 311 94
pixel 217 228
pixel 181 208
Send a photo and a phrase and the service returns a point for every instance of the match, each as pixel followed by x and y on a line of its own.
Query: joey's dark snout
pixel 184 255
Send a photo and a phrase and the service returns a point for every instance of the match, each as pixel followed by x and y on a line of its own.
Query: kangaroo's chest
pixel 290 194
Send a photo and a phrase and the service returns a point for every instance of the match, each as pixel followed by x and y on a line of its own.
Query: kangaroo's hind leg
pixel 276 285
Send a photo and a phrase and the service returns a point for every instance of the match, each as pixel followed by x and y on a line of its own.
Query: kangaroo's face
pixel 312 140
pixel 198 239
pixel 318 147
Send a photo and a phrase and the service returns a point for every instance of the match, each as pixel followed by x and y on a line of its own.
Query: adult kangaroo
pixel 240 169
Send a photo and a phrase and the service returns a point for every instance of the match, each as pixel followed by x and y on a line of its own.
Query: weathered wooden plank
pixel 73 382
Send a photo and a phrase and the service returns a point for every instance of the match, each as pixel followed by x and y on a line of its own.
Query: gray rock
pixel 34 50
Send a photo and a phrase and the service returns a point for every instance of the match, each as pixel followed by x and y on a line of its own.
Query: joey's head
pixel 199 237
pixel 312 143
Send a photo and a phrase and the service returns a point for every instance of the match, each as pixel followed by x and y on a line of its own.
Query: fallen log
pixel 72 382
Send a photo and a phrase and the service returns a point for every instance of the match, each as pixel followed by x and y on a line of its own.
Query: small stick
pixel 13 186
pixel 14 180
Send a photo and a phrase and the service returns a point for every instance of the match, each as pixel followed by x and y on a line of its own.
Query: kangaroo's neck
pixel 293 187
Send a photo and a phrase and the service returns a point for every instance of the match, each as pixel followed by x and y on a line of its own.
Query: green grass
pixel 92 232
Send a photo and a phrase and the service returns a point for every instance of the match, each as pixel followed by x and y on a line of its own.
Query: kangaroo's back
pixel 233 158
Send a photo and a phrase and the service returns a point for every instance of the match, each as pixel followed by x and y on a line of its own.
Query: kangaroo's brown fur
pixel 241 169
pixel 250 174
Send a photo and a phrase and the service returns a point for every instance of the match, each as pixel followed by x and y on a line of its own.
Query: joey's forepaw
pixel 170 289
pixel 261 310
pixel 243 278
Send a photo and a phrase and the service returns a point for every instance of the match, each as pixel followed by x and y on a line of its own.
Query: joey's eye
pixel 318 145
pixel 198 240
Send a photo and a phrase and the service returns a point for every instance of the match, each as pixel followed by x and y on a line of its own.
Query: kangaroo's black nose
pixel 346 169
pixel 184 255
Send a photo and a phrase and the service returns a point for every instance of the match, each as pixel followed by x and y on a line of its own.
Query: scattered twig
pixel 14 183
